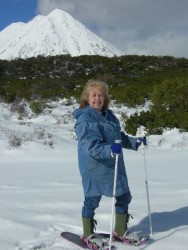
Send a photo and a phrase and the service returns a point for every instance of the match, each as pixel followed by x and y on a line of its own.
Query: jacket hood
pixel 86 114
pixel 77 112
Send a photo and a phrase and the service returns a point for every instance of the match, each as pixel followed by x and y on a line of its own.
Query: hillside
pixel 41 191
pixel 132 81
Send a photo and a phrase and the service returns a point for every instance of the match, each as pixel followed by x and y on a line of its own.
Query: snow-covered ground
pixel 41 193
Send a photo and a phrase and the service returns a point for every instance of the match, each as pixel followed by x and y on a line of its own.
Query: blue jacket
pixel 96 132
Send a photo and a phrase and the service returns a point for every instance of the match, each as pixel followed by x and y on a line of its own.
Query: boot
pixel 88 235
pixel 121 229
pixel 88 226
pixel 121 221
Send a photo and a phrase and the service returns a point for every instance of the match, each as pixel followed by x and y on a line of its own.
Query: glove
pixel 141 140
pixel 116 148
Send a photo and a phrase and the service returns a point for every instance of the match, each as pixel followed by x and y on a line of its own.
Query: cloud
pixel 44 7
pixel 133 26
pixel 169 44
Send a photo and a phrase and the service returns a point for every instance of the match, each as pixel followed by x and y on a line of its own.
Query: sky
pixel 142 27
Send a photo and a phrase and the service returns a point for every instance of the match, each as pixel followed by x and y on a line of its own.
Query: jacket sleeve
pixel 128 142
pixel 91 141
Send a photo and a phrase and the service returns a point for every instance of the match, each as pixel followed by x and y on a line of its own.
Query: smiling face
pixel 96 99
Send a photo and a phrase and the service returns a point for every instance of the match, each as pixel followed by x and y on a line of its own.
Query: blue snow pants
pixel 91 203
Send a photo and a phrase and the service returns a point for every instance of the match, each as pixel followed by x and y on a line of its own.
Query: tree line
pixel 131 79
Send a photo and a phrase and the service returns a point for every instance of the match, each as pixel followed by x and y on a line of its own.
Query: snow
pixel 41 192
pixel 55 34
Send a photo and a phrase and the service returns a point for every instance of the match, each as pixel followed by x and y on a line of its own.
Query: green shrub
pixel 131 79
pixel 171 95
pixel 36 107
pixel 146 119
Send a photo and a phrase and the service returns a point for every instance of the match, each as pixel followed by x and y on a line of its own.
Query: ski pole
pixel 147 189
pixel 113 199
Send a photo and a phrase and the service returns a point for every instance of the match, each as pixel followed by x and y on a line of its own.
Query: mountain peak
pixel 55 34
pixel 56 12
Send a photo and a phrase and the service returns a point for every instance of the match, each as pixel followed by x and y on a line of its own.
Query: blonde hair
pixel 90 85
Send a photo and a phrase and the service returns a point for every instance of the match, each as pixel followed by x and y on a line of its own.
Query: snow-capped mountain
pixel 55 34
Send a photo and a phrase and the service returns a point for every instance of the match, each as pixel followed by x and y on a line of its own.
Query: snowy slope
pixel 55 34
pixel 41 193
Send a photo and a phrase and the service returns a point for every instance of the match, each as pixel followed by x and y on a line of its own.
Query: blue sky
pixel 16 11
pixel 143 27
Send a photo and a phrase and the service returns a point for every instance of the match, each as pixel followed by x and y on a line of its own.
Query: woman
pixel 97 128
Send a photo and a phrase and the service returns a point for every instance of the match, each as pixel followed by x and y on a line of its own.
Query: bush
pixel 169 110
pixel 15 141
pixel 131 79
pixel 130 95
pixel 171 95
pixel 36 107
pixel 146 119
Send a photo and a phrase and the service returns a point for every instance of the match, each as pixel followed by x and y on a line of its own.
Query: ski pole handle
pixel 118 141
pixel 116 147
